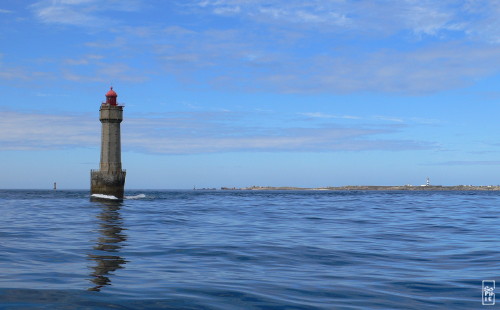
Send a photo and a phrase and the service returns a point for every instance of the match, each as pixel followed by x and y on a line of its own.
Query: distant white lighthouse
pixel 110 178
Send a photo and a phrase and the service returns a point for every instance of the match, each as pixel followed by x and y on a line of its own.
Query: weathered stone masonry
pixel 110 178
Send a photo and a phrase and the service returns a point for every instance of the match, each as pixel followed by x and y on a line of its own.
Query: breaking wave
pixel 136 196
pixel 102 196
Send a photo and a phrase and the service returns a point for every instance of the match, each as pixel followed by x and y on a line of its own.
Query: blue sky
pixel 250 92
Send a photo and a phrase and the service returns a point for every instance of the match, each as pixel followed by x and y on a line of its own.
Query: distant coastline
pixel 376 188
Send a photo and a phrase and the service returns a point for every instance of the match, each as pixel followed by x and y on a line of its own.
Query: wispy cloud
pixel 285 57
pixel 422 17
pixel 85 60
pixel 326 115
pixel 76 13
pixel 469 163
pixel 31 131
pixel 389 118
pixel 15 74
pixel 426 121
pixel 86 13
pixel 199 134
pixel 106 73
pixel 245 62
pixel 19 73
pixel 430 17
pixel 384 118
pixel 190 133
pixel 442 19
pixel 86 68
pixel 422 71
pixel 108 44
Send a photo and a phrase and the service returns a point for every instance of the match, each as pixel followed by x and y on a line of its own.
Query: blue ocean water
pixel 247 250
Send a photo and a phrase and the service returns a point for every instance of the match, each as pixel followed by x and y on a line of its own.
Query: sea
pixel 224 249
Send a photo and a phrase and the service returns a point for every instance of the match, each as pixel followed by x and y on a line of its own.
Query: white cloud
pixel 479 19
pixel 483 22
pixel 470 163
pixel 384 118
pixel 18 73
pixel 85 60
pixel 426 121
pixel 429 17
pixel 227 10
pixel 421 71
pixel 117 42
pixel 326 115
pixel 190 133
pixel 30 131
pixel 105 73
pixel 210 137
pixel 475 19
pixel 263 60
pixel 286 57
pixel 62 12
pixel 247 65
pixel 389 118
pixel 85 13
pixel 297 12
pixel 178 31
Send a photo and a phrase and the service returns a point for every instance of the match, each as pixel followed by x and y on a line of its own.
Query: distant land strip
pixel 376 188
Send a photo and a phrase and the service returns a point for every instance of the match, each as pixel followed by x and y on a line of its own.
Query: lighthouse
pixel 110 178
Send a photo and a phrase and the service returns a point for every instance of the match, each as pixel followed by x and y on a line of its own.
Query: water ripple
pixel 247 250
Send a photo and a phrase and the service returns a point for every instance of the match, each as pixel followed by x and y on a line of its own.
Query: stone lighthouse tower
pixel 110 178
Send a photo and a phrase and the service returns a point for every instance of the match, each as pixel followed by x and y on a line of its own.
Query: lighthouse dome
pixel 111 96
pixel 111 93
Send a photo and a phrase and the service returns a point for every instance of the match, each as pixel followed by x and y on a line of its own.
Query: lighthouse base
pixel 107 183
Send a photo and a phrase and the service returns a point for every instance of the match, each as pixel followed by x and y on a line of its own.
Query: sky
pixel 238 93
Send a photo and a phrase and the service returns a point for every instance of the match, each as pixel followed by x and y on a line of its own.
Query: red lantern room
pixel 111 96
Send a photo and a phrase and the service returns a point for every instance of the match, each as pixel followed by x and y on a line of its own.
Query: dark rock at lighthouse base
pixel 107 183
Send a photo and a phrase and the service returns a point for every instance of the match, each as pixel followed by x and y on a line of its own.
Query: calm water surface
pixel 247 250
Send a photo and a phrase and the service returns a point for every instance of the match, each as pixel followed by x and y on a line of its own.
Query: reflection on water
pixel 106 254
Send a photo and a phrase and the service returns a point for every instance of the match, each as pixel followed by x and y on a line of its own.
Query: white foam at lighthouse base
pixel 136 196
pixel 102 196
